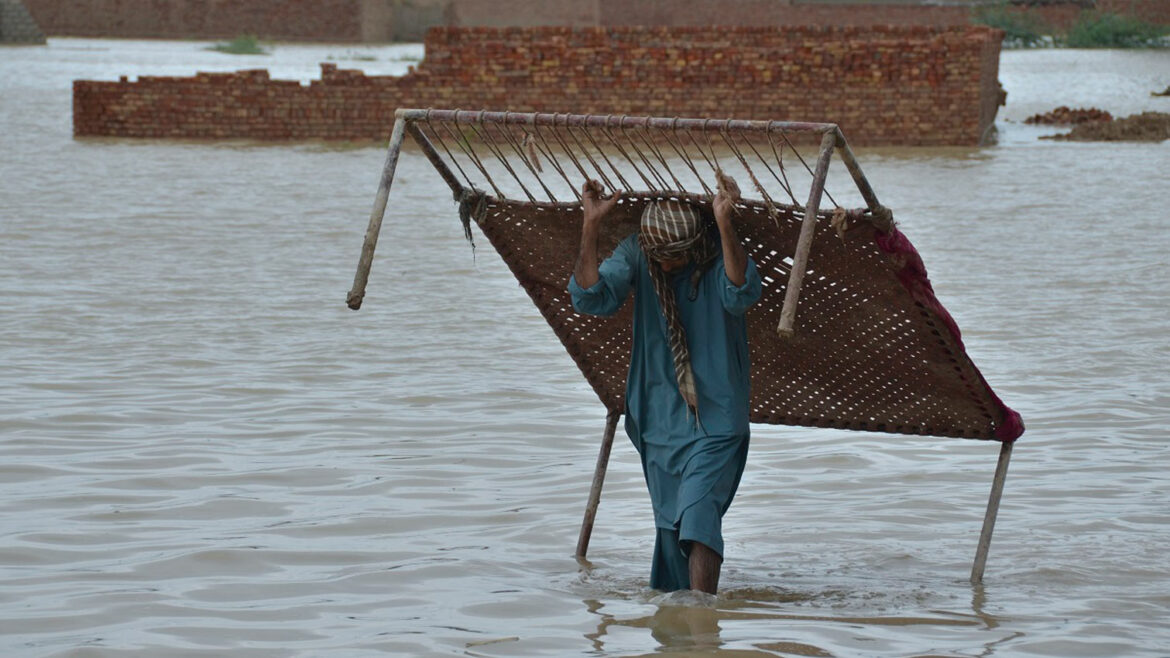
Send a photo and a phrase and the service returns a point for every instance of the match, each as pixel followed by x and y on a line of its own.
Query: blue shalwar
pixel 692 469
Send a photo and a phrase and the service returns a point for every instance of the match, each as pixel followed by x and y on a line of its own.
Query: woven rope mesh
pixel 865 354
pixel 872 349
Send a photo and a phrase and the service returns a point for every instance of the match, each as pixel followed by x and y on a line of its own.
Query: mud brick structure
pixel 882 85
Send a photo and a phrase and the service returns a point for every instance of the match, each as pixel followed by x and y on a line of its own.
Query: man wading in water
pixel 687 390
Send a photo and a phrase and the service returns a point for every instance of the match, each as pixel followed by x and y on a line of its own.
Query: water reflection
pixel 693 623
pixel 990 621
pixel 677 628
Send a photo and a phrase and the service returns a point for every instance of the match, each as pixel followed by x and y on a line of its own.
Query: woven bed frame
pixel 873 349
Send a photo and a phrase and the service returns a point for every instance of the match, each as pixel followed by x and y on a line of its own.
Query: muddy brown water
pixel 204 453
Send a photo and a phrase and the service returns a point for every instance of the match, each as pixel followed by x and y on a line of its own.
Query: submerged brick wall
pixel 913 86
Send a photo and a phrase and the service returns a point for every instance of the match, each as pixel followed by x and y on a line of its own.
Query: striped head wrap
pixel 674 230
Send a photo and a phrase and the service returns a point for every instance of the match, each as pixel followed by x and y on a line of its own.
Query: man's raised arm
pixel 595 209
pixel 734 256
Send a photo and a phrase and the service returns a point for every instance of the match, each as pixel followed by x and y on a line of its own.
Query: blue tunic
pixel 692 469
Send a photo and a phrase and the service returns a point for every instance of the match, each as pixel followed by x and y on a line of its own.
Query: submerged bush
pixel 1022 30
pixel 1093 29
pixel 1107 30
pixel 244 44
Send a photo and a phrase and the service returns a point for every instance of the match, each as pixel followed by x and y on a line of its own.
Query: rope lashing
pixel 472 206
pixel 772 212
pixel 522 152
pixel 641 156
pixel 542 144
pixel 435 136
pixel 529 145
pixel 882 218
pixel 657 153
pixel 779 155
pixel 840 222
pixel 464 145
pixel 622 150
pixel 710 161
pixel 728 187
pixel 616 144
pixel 806 166
pixel 500 157
pixel 600 151
pixel 568 153
pixel 680 149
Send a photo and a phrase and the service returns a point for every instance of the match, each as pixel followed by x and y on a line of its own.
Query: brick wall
pixel 291 20
pixel 858 13
pixel 991 93
pixel 385 20
pixel 771 12
pixel 910 85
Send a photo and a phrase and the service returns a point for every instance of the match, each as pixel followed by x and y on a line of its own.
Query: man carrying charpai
pixel 688 385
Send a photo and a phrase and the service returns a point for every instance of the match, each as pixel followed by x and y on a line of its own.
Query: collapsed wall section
pixel 882 85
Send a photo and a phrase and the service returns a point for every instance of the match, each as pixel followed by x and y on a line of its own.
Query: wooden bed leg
pixel 863 186
pixel 1005 455
pixel 358 291
pixel 598 479
pixel 804 242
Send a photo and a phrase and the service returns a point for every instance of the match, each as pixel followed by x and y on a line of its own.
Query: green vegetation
pixel 1022 30
pixel 245 44
pixel 1094 29
pixel 1106 30
pixel 352 56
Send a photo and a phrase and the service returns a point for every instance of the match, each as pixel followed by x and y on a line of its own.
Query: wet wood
pixel 1005 455
pixel 613 121
pixel 362 276
pixel 807 229
pixel 854 168
pixel 598 480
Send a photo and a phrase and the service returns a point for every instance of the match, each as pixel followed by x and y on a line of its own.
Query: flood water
pixel 203 452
